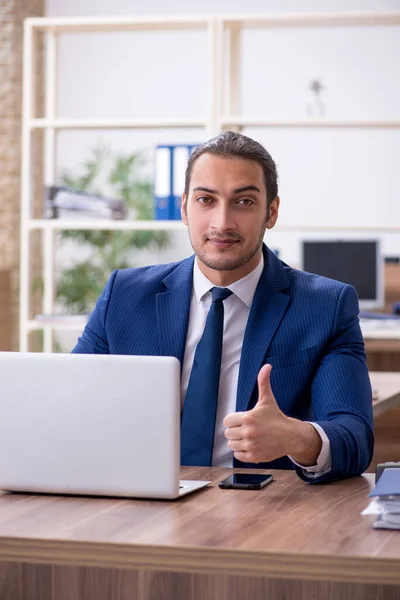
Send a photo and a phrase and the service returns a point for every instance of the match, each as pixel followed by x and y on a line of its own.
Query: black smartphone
pixel 245 481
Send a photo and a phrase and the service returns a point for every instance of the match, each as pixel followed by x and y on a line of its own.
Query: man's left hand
pixel 266 433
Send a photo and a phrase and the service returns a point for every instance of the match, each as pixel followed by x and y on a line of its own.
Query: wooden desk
pixel 383 355
pixel 388 387
pixel 386 418
pixel 288 541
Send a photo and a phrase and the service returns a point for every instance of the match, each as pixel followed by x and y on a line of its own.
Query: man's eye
pixel 246 201
pixel 204 200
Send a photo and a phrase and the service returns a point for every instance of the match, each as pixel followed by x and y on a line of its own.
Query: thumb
pixel 265 394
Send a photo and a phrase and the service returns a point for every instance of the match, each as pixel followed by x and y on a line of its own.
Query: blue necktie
pixel 200 407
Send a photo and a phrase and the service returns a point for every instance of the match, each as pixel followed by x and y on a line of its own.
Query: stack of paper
pixel 64 202
pixel 387 495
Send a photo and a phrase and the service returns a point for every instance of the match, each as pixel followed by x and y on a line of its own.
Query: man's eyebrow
pixel 245 188
pixel 200 188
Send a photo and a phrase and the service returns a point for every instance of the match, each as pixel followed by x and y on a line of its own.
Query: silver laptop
pixel 91 424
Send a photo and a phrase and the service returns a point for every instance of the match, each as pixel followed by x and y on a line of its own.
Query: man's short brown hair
pixel 229 144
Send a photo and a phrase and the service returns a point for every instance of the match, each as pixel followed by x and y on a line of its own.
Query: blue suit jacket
pixel 304 325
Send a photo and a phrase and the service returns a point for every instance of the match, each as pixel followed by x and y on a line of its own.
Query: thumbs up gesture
pixel 266 433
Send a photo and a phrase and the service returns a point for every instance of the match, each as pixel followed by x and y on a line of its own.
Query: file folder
pixel 162 182
pixel 170 168
pixel 388 484
pixel 387 495
pixel 180 157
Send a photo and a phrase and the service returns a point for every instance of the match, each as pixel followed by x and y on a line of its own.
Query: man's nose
pixel 223 218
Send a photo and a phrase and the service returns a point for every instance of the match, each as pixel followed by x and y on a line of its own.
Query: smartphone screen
pixel 245 481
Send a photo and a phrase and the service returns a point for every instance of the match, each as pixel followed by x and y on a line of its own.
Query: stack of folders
pixel 387 495
pixel 169 179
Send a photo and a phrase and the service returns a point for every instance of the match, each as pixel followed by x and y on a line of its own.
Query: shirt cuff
pixel 324 460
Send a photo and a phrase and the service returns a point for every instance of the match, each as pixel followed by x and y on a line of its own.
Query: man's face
pixel 226 214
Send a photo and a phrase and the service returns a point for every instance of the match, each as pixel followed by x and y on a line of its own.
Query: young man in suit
pixel 273 363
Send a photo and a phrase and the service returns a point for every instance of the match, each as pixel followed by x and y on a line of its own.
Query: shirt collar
pixel 244 288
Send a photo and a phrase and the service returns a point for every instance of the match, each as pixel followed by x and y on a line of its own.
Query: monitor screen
pixel 357 262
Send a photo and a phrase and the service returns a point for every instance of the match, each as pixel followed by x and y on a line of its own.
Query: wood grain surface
pixel 288 541
pixel 289 529
pixel 33 582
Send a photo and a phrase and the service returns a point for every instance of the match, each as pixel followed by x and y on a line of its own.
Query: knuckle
pixel 249 432
pixel 244 432
pixel 245 446
pixel 250 448
pixel 253 420
pixel 247 418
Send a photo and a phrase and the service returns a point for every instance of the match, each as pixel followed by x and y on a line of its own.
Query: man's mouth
pixel 223 242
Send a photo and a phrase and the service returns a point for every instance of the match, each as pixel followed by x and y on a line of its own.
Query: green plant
pixel 79 286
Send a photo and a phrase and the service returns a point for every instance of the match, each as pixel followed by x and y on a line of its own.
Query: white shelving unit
pixel 213 121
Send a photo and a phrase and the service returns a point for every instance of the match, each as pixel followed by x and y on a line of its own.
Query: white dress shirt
pixel 236 312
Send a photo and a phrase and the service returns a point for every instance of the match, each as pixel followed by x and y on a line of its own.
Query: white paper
pixel 373 508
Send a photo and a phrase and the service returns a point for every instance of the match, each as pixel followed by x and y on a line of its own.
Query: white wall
pixel 339 177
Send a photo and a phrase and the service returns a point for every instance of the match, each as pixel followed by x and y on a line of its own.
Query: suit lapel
pixel 173 308
pixel 267 311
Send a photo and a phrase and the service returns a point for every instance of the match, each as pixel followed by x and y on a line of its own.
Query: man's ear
pixel 183 208
pixel 273 212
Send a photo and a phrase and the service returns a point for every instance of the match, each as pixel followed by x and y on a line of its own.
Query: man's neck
pixel 225 278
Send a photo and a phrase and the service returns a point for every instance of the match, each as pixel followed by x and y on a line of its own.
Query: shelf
pixel 238 121
pixel 56 326
pixel 105 224
pixel 34 326
pixel 380 334
pixel 368 19
pixel 337 228
pixel 115 225
pixel 307 123
pixel 117 123
pixel 112 24
pixel 104 24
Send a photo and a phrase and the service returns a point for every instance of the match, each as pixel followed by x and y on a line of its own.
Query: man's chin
pixel 222 263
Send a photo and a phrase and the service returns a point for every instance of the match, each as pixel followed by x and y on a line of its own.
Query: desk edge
pixel 277 565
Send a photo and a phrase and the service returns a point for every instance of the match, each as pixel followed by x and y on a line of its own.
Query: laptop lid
pixel 90 424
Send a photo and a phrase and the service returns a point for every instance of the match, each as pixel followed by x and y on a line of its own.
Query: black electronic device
pixel 356 261
pixel 245 481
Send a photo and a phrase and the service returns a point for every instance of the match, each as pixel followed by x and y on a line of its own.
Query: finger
pixel 234 433
pixel 233 419
pixel 238 445
pixel 242 456
pixel 265 394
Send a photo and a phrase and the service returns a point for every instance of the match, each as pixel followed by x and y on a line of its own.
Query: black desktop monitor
pixel 357 262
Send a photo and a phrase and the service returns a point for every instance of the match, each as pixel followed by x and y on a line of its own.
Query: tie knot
pixel 220 294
